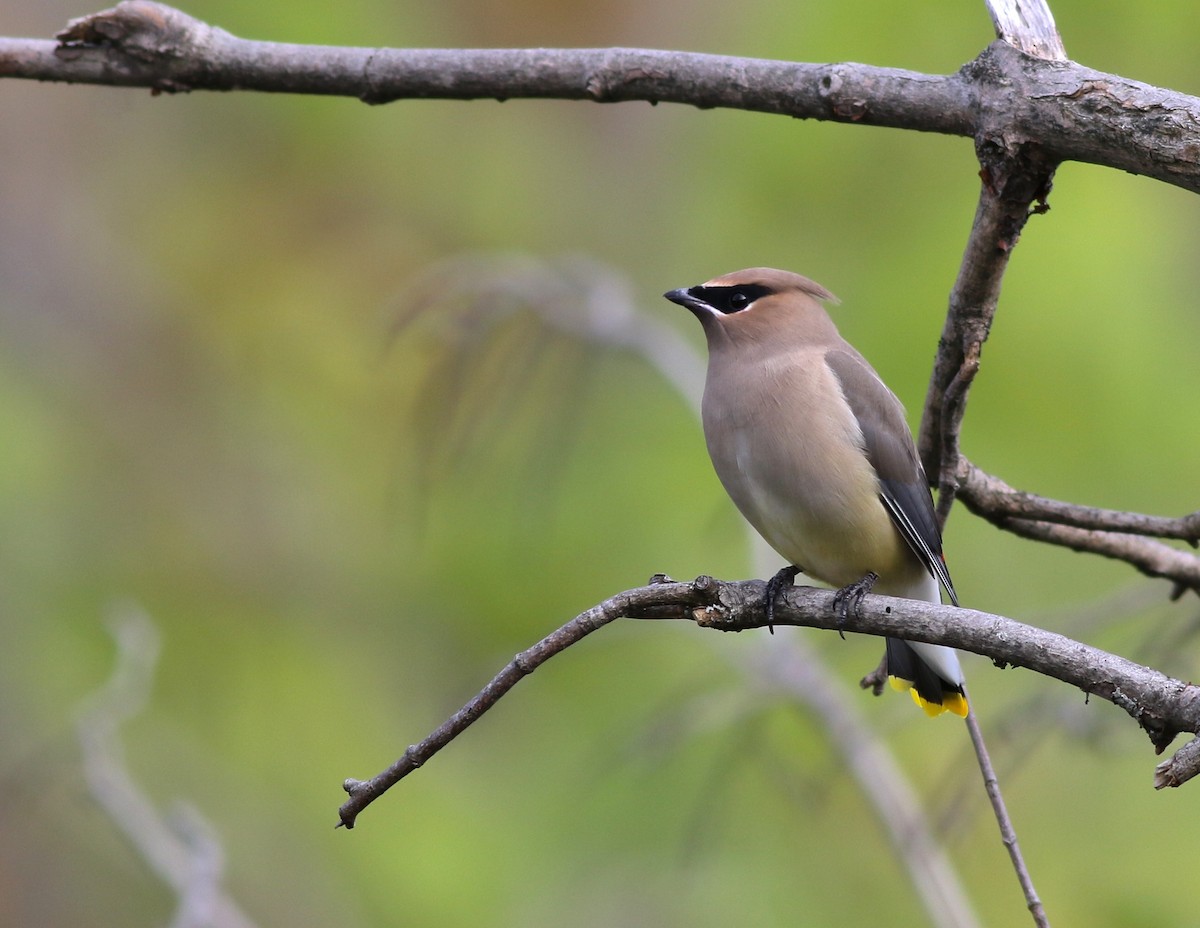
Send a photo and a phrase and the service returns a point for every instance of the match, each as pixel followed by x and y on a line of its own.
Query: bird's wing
pixel 888 443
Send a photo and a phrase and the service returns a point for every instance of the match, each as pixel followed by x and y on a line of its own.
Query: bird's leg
pixel 875 680
pixel 776 585
pixel 851 597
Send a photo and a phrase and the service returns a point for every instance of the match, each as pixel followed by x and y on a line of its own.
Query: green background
pixel 340 530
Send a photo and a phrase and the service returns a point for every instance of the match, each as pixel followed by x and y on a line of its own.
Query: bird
pixel 816 453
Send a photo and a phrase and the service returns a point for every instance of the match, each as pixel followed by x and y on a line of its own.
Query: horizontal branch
pixel 1073 112
pixel 1161 705
pixel 144 44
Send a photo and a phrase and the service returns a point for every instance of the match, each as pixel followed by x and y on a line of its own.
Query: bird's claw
pixel 850 598
pixel 776 585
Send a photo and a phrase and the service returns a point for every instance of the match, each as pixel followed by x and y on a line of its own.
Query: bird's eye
pixel 738 300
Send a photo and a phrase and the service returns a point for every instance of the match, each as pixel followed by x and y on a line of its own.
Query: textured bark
pixel 1070 112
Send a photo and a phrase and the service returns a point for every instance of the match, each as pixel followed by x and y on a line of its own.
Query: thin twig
pixel 643 602
pixel 1007 833
pixel 1153 558
pixel 1123 536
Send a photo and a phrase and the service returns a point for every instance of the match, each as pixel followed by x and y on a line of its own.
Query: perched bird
pixel 815 451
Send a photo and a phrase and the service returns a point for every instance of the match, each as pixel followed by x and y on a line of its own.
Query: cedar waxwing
pixel 815 451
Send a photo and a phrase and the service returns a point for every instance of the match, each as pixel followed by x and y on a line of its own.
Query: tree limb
pixel 990 496
pixel 1162 706
pixel 1071 112
pixel 1110 533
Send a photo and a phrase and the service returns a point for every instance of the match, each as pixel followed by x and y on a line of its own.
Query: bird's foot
pixel 876 679
pixel 849 598
pixel 776 585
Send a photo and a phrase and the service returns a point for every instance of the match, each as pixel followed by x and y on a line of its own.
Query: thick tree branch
pixel 1071 112
pixel 1161 705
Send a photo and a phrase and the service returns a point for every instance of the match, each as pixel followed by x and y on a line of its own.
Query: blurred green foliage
pixel 207 412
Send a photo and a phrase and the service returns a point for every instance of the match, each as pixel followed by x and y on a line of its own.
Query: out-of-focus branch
pixel 793 667
pixel 1072 113
pixel 181 849
pixel 1161 705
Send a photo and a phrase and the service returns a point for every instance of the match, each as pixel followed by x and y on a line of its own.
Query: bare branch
pixel 140 43
pixel 1008 834
pixel 1153 558
pixel 1107 532
pixel 1070 112
pixel 990 497
pixel 1181 767
pixel 645 602
pixel 1016 177
pixel 1161 705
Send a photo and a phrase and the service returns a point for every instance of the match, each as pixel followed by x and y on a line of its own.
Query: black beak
pixel 683 296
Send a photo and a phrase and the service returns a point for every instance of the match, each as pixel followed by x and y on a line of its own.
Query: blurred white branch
pixel 181 849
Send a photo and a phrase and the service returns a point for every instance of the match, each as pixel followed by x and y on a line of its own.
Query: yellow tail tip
pixel 954 703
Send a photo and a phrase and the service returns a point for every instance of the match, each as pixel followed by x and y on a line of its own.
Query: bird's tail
pixel 930 673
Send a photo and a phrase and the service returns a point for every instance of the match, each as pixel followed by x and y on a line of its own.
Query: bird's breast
pixel 790 454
